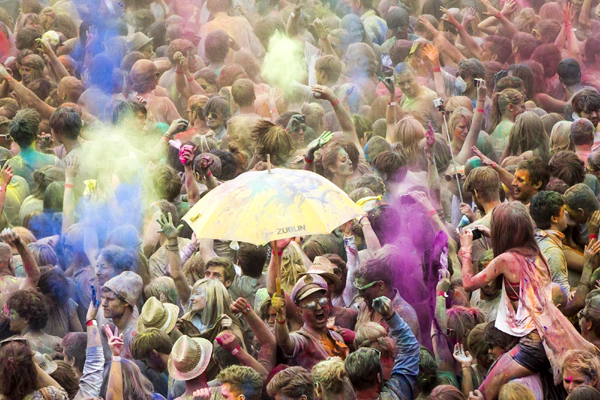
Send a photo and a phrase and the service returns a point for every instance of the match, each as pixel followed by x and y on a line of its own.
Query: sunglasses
pixel 213 115
pixel 322 303
pixel 581 314
pixel 363 288
pixel 451 177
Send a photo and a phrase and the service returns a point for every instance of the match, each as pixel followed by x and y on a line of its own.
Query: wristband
pixel 431 213
pixel 91 322
pixel 116 358
pixel 593 237
pixel 499 15
pixel 392 103
pixel 7 78
pixel 279 252
pixel 459 27
pixel 190 79
pixel 439 293
pixel 68 186
pixel 2 188
pixel 281 322
pixel 209 174
pixel 178 72
pixel 479 110
pixel 273 111
pixel 437 69
pixel 335 103
pixel 308 160
pixel 165 138
pixel 235 351
pixel 494 165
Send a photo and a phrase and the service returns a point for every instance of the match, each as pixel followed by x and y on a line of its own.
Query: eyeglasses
pixel 363 288
pixel 212 115
pixel 581 314
pixel 322 303
pixel 451 177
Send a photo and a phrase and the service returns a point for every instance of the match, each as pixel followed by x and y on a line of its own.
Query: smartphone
pixel 377 302
pixel 477 234
pixel 478 82
pixel 94 298
pixel 499 75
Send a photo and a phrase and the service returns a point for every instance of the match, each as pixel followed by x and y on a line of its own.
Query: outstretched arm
pixel 32 270
pixel 26 95
pixel 171 232
pixel 471 140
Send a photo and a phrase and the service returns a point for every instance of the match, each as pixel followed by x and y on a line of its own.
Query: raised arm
pixel 32 270
pixel 58 67
pixel 93 369
pixel 471 140
pixel 584 13
pixel 115 377
pixel 323 35
pixel 509 7
pixel 26 95
pixel 583 288
pixel 467 39
pixel 229 342
pixel 71 167
pixel 390 112
pixel 7 175
pixel 433 55
pixel 313 146
pixel 440 341
pixel 281 327
pixel 505 177
pixel 342 115
pixel 169 230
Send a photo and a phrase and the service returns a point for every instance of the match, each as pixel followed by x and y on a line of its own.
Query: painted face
pixel 575 217
pixel 517 109
pixel 315 318
pixel 26 74
pixel 486 53
pixel 407 82
pixel 561 220
pixel 104 271
pixel 298 136
pixel 17 323
pixel 343 165
pixel 370 293
pixel 114 307
pixel 461 130
pixel 227 393
pixel 523 186
pixel 209 88
pixel 592 115
pixel 214 119
pixel 198 299
pixel 272 318
pixel 573 379
pixel 216 272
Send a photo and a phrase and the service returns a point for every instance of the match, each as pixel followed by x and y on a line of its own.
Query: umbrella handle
pixel 276 255
pixel 278 282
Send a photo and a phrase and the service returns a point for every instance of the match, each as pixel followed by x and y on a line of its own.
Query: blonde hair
pixel 194 268
pixel 373 335
pixel 274 140
pixel 526 20
pixel 218 301
pixel 515 391
pixel 459 114
pixel 500 102
pixel 293 263
pixel 560 137
pixel 410 132
pixel 581 361
pixel 331 375
pixel 528 133
pixel 459 101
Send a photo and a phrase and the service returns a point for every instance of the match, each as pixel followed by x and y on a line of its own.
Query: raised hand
pixel 10 237
pixel 201 394
pixel 432 53
pixel 568 13
pixel 383 306
pixel 324 93
pixel 449 17
pixel 594 223
pixel 7 174
pixel 484 159
pixel 296 122
pixel 427 25
pixel 167 228
pixel 228 341
pixel 389 84
pixel 240 306
pixel 491 10
pixel 469 15
pixel 591 250
pixel 464 358
pixel 278 304
pixel 320 30
pixel 481 91
pixel 319 142
pixel 510 6
pixel 466 239
pixel 443 284
pixel 71 167
pixel 115 341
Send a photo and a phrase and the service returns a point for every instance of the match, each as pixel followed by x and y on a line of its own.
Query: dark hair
pixel 120 259
pixel 31 306
pixel 427 379
pixel 472 67
pixel 545 205
pixel 584 392
pixel 496 338
pixel 524 72
pixel 538 171
pixel 252 259
pixel 66 122
pixel 24 127
pixel 66 377
pixel 501 47
pixel 54 285
pixel 167 183
pixel 293 382
pixel 391 163
pixel 569 71
pixel 485 181
pixel 376 269
pixel 74 345
pixel 228 164
pixel 400 50
pixel 18 375
pixel 592 48
pixel 42 88
pixel 27 36
pixel 513 217
pixel 587 100
pixel 127 109
pixel 526 44
pixel 216 46
pixel 566 166
pixel 182 45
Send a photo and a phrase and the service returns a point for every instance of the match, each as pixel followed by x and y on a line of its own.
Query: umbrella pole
pixel 278 279
pixel 269 162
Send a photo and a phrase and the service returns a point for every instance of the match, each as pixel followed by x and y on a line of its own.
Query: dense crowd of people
pixel 468 133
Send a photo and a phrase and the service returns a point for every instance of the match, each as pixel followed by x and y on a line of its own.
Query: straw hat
pixel 323 267
pixel 44 362
pixel 158 315
pixel 137 41
pixel 189 358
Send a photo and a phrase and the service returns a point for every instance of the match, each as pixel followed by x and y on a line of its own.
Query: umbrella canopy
pixel 261 206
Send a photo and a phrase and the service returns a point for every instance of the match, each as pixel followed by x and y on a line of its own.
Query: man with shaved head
pixel 144 79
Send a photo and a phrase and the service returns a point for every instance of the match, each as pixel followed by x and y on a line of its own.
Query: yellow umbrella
pixel 261 206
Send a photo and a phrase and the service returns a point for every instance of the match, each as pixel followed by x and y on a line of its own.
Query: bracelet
pixel 172 247
pixel 69 186
pixel 335 103
pixel 165 138
pixel 279 252
pixel 494 165
pixel 245 310
pixel 208 174
pixel 361 218
pixel 593 237
pixel 190 79
pixel 437 69
pixel 431 213
pixel 281 322
pixel 7 78
pixel 441 294
pixel 178 72
pixel 459 27
pixel 308 160
pixel 273 111
pixel 116 358
pixel 499 15
pixel 235 351
pixel 480 110
pixel 2 188
pixel 392 103
pixel 91 322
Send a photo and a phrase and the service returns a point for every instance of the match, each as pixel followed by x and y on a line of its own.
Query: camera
pixel 477 234
pixel 478 82
pixel 438 103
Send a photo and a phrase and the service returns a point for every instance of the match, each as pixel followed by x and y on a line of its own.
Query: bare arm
pixel 69 195
pixel 432 53
pixel 169 230
pixel 509 7
pixel 26 95
pixel 323 35
pixel 467 39
pixel 371 238
pixel 584 13
pixel 281 327
pixel 115 377
pixel 591 263
pixel 207 251
pixel 293 28
pixel 58 67
pixel 29 264
pixel 505 177
pixel 471 140
pixel 7 175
